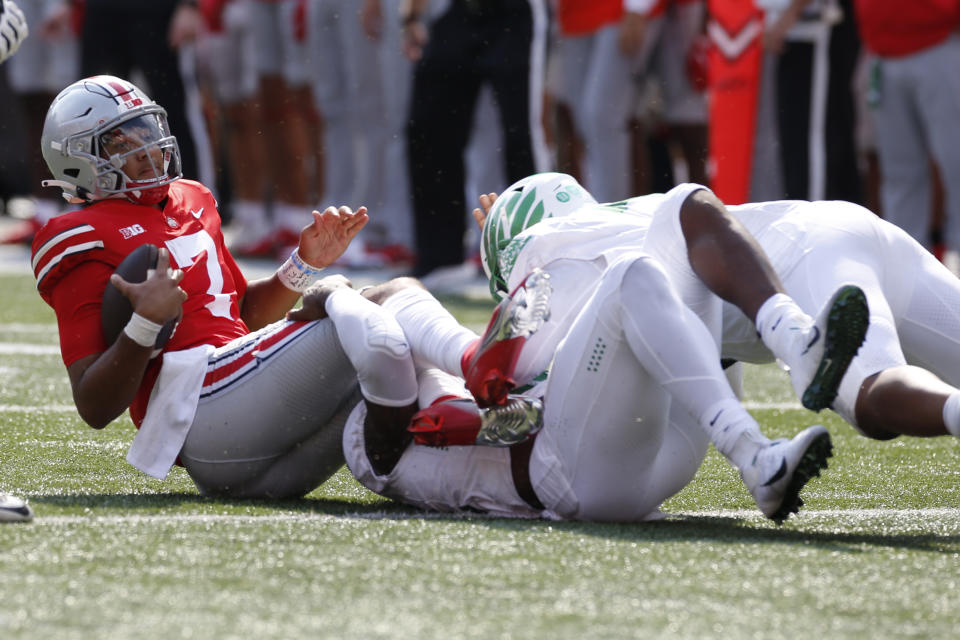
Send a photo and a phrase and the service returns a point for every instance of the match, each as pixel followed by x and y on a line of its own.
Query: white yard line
pixel 47 408
pixel 28 327
pixel 21 349
pixel 745 514
pixel 782 406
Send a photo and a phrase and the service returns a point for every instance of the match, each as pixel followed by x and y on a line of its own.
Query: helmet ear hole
pixel 73 173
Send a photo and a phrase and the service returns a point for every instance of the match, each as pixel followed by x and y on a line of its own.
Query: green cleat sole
pixel 846 328
pixel 814 460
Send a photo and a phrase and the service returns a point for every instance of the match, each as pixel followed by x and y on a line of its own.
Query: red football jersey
pixel 74 255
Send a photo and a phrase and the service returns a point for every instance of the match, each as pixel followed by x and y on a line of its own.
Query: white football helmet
pixel 93 127
pixel 522 205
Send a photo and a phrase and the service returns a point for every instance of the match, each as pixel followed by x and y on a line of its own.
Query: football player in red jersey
pixel 248 402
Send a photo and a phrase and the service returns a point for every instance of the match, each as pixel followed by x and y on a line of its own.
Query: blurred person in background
pixel 914 100
pixel 817 48
pixel 287 140
pixel 466 46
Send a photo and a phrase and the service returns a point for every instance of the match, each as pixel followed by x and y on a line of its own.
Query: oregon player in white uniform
pixel 904 378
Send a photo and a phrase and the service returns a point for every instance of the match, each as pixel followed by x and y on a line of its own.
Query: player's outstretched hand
pixel 325 240
pixel 159 298
pixel 315 297
pixel 486 202
pixel 13 28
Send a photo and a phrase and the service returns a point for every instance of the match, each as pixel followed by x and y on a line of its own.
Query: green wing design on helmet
pixel 506 261
pixel 522 205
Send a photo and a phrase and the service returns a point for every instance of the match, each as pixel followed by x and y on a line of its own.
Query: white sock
pixel 733 432
pixel 782 325
pixel 436 338
pixel 951 414
pixel 435 384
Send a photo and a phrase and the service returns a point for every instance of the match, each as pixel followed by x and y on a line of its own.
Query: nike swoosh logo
pixel 825 366
pixel 776 324
pixel 716 417
pixel 813 340
pixel 197 214
pixel 782 471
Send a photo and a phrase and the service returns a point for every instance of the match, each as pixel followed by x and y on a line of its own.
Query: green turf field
pixel 115 554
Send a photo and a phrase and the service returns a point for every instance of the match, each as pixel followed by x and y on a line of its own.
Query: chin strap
pixel 68 190
pixel 148 196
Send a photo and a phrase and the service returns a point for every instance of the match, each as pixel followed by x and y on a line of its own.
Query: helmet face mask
pixel 103 137
pixel 520 206
pixel 138 153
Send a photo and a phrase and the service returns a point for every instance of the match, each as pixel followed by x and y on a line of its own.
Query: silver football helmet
pixel 92 130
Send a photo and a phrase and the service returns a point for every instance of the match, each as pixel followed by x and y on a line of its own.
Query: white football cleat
pixel 13 509
pixel 489 377
pixel 831 343
pixel 780 470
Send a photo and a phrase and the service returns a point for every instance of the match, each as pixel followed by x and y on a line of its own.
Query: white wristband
pixel 297 275
pixel 142 331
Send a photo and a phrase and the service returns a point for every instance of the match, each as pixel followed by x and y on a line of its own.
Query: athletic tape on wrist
pixel 297 275
pixel 142 331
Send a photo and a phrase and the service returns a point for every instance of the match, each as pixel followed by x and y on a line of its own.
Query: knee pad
pixel 377 348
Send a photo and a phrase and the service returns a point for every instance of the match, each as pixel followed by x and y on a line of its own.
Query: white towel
pixel 170 411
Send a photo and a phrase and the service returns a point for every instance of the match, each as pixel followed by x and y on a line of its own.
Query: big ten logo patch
pixel 132 230
pixel 599 349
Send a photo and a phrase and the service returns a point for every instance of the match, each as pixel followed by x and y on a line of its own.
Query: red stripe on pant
pixel 247 356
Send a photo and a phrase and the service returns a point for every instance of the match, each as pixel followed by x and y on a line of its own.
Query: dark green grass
pixel 115 554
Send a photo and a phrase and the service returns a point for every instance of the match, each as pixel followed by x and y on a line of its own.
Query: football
pixel 115 310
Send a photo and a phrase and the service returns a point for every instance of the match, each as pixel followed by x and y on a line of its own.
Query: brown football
pixel 115 310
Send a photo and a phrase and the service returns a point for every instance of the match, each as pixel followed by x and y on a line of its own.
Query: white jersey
pixel 576 250
pixel 608 230
pixel 813 246
pixel 451 479
pixel 599 234
pixel 591 233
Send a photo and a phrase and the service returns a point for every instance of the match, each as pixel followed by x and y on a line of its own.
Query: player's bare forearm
pixel 105 384
pixel 321 243
pixel 267 300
